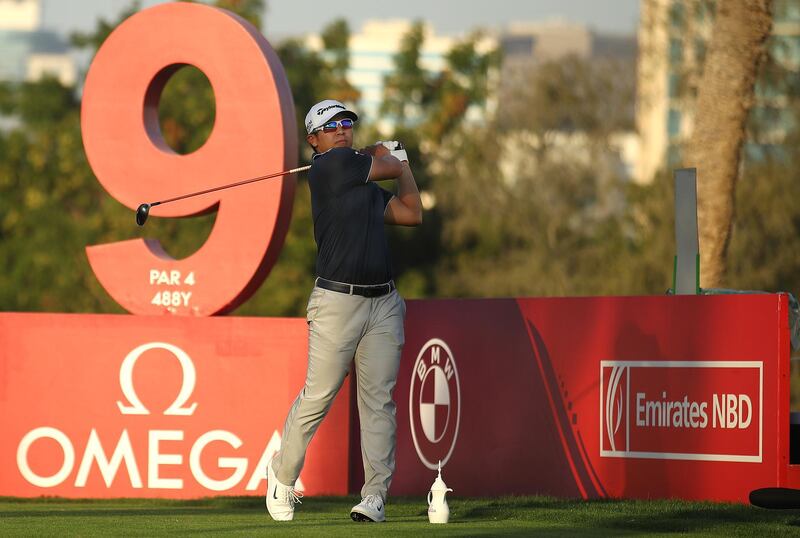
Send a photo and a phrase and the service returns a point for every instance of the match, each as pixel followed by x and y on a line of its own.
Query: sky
pixel 294 17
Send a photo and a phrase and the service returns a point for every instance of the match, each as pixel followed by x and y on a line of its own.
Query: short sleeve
pixel 341 169
pixel 386 197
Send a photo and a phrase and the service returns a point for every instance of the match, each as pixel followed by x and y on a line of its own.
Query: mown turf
pixel 328 516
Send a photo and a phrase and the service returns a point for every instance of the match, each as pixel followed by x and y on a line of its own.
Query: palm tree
pixel 725 96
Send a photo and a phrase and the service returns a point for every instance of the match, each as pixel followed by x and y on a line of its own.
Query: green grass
pixel 329 516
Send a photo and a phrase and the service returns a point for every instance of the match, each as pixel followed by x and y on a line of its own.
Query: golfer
pixel 355 314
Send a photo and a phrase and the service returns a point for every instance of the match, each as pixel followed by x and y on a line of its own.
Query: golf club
pixel 144 210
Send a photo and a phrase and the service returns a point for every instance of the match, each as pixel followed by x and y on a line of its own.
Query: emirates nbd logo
pixel 682 410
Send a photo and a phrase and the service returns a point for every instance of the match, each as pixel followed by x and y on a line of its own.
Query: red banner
pixel 134 406
pixel 640 397
pixel 648 397
pixel 683 410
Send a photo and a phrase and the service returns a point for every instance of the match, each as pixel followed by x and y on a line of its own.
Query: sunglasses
pixel 333 125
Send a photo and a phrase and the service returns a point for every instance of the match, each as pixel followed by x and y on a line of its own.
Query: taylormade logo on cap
pixel 324 111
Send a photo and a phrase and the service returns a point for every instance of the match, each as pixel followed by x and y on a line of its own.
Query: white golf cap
pixel 323 111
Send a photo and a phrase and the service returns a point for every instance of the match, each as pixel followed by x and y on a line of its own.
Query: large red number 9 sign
pixel 254 134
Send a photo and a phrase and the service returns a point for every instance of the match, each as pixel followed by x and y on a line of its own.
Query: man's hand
pixel 384 166
pixel 396 149
pixel 376 150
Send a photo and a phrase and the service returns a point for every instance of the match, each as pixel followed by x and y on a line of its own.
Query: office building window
pixel 675 51
pixel 786 10
pixel 676 14
pixel 674 85
pixel 674 122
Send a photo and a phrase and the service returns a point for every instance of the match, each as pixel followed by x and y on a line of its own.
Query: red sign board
pixel 682 410
pixel 123 406
pixel 645 397
pixel 648 397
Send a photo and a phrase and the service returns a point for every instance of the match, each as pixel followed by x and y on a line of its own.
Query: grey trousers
pixel 342 328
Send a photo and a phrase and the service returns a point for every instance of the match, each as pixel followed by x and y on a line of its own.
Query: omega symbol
pixel 126 382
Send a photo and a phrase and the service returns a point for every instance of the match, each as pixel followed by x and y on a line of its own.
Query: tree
pixel 572 95
pixel 724 99
pixel 526 217
pixel 425 107
pixel 49 205
pixel 406 89
pixel 103 28
pixel 465 82
pixel 336 43
pixel 764 251
pixel 250 10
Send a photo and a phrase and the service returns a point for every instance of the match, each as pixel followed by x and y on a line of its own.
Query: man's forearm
pixel 407 190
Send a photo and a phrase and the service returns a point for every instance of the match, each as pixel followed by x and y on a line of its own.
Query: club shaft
pixel 243 182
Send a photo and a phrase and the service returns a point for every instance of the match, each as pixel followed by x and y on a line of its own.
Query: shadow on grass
pixel 505 508
pixel 123 507
pixel 510 516
pixel 613 516
pixel 701 519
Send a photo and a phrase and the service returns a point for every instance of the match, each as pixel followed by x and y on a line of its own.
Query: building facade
pixel 527 45
pixel 28 52
pixel 372 57
pixel 673 38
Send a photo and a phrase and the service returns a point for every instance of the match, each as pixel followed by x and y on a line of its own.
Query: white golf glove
pixel 396 149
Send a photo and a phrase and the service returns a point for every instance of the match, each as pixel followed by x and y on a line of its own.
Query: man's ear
pixel 312 139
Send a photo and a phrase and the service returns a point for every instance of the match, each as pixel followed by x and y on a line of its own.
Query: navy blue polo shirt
pixel 348 218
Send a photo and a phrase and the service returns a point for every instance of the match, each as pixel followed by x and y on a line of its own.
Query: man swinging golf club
pixel 355 314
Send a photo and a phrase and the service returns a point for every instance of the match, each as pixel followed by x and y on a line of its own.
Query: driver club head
pixel 142 213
